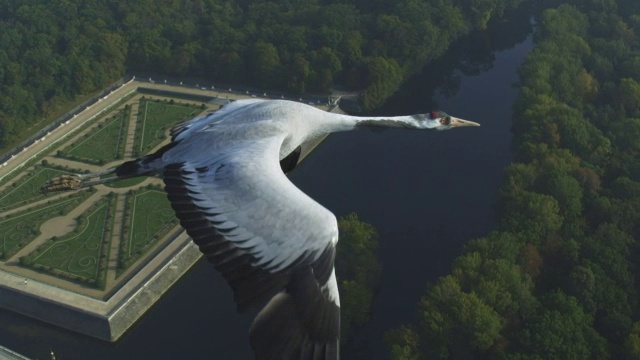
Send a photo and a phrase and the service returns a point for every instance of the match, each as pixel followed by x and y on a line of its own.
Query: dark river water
pixel 427 193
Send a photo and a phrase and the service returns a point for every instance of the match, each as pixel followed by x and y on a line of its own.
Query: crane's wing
pixel 186 128
pixel 268 239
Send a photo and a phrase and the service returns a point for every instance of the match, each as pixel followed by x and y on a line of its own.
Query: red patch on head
pixel 434 114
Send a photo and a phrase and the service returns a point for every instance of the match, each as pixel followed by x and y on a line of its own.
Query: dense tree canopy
pixel 557 278
pixel 52 51
pixel 359 269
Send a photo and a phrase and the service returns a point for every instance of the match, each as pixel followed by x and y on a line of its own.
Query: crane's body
pixel 298 121
pixel 223 173
pixel 251 120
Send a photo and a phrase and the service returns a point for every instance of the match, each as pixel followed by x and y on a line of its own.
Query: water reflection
pixel 472 55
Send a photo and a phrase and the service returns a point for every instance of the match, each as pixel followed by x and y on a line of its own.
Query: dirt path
pixel 131 132
pixel 71 164
pixel 112 266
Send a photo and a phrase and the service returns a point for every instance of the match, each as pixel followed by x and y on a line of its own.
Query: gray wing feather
pixel 250 193
pixel 266 237
pixel 183 130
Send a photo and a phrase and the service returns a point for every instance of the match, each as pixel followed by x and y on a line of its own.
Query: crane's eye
pixel 445 120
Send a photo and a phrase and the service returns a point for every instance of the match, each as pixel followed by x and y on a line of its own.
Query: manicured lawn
pixel 151 219
pixel 155 118
pixel 151 213
pixel 21 228
pixel 104 144
pixel 79 253
pixel 27 188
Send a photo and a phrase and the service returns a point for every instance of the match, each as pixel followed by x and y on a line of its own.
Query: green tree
pixel 358 272
pixel 384 76
pixel 586 86
pixel 568 192
pixel 562 330
pixel 499 283
pixel 566 19
pixel 230 67
pixel 265 63
pixel 533 214
pixel 455 323
pixel 298 74
pixel 327 65
pixel 630 95
pixel 403 343
pixel 632 342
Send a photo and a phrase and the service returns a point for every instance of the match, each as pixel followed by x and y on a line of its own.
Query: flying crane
pixel 224 174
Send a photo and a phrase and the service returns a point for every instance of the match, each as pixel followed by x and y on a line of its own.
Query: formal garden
pixel 81 255
pixel 155 118
pixel 104 143
pixel 102 232
pixel 26 189
pixel 19 229
pixel 148 219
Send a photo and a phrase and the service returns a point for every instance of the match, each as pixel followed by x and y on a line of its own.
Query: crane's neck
pixel 348 122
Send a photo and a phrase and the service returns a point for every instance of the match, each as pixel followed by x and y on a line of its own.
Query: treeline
pixel 358 274
pixel 558 277
pixel 54 50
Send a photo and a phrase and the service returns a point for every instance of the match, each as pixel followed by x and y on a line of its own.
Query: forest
pixel 557 276
pixel 53 52
pixel 556 279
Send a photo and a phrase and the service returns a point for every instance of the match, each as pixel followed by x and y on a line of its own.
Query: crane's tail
pixel 131 168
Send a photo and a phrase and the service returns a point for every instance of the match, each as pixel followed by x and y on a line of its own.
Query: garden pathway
pixel 61 223
pixel 116 236
pixel 131 132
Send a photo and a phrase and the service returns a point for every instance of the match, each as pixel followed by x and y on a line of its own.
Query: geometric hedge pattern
pixel 94 236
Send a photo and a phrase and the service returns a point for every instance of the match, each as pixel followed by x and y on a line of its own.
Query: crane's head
pixel 439 120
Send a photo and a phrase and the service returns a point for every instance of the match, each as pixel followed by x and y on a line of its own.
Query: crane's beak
pixel 455 122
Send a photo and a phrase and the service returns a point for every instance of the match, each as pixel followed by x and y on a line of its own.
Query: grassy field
pixel 104 143
pixel 79 253
pixel 27 189
pixel 155 118
pixel 151 219
pixel 18 230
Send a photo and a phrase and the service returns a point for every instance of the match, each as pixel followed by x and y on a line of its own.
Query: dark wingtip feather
pixel 300 323
pixel 278 333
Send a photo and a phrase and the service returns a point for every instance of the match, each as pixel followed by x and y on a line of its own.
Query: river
pixel 427 193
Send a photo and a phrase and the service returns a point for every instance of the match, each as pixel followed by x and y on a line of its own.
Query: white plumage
pixel 224 177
